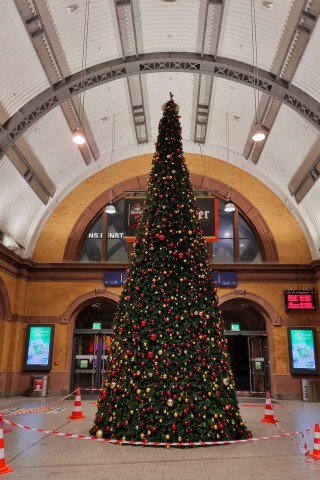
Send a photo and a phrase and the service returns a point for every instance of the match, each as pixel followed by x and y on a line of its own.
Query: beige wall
pixel 52 240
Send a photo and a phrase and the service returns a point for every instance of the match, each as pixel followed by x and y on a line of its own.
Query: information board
pixel 300 300
pixel 38 350
pixel 303 351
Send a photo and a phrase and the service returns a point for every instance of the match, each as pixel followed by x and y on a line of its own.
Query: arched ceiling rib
pixel 151 47
pixel 160 62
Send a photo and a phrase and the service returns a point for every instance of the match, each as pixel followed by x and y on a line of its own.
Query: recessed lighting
pixel 269 5
pixel 72 8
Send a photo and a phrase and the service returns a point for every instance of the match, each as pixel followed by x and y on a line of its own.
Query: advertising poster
pixel 208 216
pixel 39 347
pixel 303 352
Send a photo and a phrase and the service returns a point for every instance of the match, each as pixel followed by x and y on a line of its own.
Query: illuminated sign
pixel 96 326
pixel 303 351
pixel 300 300
pixel 235 327
pixel 38 350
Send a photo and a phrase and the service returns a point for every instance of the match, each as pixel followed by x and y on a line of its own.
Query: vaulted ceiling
pixel 109 65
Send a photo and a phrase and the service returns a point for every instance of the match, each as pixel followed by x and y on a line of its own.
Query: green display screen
pixel 303 350
pixel 38 353
pixel 235 327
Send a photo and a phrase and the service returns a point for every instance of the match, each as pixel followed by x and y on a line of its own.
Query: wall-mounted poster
pixel 303 351
pixel 207 212
pixel 38 351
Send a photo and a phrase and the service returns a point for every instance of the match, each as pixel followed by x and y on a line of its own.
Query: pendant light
pixel 259 132
pixel 110 208
pixel 228 206
pixel 79 135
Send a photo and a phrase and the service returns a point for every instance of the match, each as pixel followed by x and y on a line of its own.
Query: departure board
pixel 300 300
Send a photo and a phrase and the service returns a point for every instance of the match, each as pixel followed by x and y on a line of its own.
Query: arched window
pixel 104 239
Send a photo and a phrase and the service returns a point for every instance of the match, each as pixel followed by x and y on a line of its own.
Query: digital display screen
pixel 38 350
pixel 303 351
pixel 300 300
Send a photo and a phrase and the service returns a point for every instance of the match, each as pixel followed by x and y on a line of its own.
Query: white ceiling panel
pixel 101 105
pixel 307 75
pixel 236 36
pixel 290 139
pixel 159 87
pixel 21 74
pixel 62 161
pixel 237 101
pixel 103 42
pixel 19 205
pixel 310 203
pixel 169 27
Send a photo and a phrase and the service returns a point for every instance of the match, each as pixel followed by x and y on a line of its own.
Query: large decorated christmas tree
pixel 169 377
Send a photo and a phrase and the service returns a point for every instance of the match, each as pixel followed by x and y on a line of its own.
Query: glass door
pixel 90 353
pixel 258 364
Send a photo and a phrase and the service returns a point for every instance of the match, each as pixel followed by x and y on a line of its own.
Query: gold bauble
pixel 179 439
pixel 142 436
pixel 164 375
pixel 167 437
pixel 148 390
pixel 160 352
pixel 170 402
pixel 99 433
pixel 175 414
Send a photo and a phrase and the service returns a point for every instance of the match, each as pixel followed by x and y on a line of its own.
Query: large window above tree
pixel 104 239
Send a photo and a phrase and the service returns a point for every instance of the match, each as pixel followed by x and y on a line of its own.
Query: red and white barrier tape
pixel 36 410
pixel 239 392
pixel 149 444
pixel 303 449
pixel 90 389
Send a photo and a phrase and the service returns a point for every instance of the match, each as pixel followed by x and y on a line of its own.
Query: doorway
pixel 249 361
pixel 91 345
pixel 248 347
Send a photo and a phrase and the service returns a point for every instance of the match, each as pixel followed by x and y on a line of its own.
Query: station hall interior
pixel 104 69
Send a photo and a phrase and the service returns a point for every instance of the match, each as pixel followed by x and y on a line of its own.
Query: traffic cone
pixel 316 444
pixel 76 412
pixel 268 411
pixel 3 467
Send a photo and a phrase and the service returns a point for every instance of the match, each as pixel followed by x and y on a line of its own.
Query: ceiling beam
pixel 294 40
pixel 34 15
pixel 208 38
pixel 227 69
pixel 129 46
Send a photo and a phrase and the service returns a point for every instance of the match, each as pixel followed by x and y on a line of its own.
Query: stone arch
pixel 86 299
pixel 78 304
pixel 5 309
pixel 268 245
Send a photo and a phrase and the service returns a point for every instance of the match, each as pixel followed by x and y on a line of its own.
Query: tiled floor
pixel 45 456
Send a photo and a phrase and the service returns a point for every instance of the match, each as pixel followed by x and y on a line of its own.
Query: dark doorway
pixel 91 343
pixel 248 346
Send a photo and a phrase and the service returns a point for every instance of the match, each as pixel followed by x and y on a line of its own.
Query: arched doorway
pixel 91 343
pixel 248 345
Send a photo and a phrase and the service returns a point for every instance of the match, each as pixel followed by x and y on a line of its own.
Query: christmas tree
pixel 168 377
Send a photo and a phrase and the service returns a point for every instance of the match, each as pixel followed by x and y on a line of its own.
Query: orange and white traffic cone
pixel 268 411
pixel 77 412
pixel 3 467
pixel 316 443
